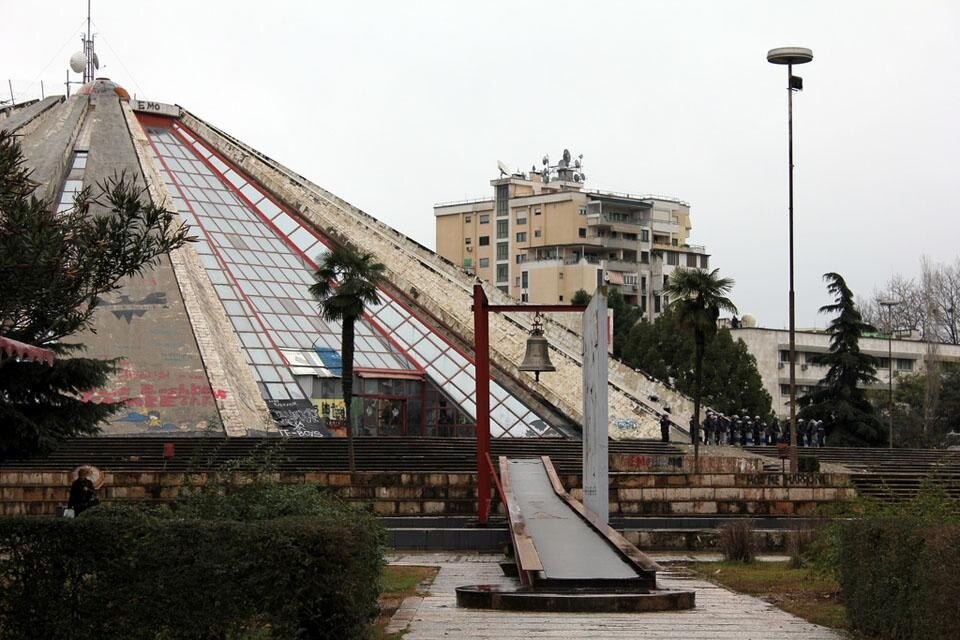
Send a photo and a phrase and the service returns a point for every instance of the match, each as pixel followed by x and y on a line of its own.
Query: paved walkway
pixel 720 614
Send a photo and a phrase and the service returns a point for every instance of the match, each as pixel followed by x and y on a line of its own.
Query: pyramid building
pixel 223 336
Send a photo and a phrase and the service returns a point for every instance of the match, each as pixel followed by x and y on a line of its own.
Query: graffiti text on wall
pixel 150 396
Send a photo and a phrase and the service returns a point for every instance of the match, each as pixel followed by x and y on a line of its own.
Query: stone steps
pixel 411 454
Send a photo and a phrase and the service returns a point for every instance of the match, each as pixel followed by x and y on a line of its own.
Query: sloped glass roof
pixel 261 260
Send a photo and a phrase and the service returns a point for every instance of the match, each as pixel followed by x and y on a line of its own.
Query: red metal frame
pixel 481 349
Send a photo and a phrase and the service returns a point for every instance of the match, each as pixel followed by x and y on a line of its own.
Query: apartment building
pixel 771 348
pixel 542 236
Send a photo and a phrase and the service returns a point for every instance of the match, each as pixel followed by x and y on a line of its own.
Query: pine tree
pixel 840 399
pixel 53 269
pixel 731 381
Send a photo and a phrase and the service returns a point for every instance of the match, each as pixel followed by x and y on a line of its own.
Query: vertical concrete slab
pixel 144 323
pixel 47 148
pixel 18 118
pixel 242 408
pixel 595 407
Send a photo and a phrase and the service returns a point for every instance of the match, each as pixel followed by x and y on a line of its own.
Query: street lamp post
pixel 790 56
pixel 890 304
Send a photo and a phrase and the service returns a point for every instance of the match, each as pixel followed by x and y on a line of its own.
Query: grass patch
pixel 398 582
pixel 401 581
pixel 812 596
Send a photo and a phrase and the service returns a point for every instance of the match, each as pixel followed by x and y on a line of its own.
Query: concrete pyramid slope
pixel 223 335
pixel 444 291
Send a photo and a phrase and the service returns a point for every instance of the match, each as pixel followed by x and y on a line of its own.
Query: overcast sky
pixel 398 105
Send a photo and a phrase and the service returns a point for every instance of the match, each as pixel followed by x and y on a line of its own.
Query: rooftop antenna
pixel 92 62
pixel 85 61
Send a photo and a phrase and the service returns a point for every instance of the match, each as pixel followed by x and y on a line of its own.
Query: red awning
pixel 28 352
pixel 615 277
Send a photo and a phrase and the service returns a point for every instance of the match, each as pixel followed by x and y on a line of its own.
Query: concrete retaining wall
pixel 454 494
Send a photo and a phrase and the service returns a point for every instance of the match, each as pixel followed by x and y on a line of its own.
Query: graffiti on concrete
pixel 625 423
pixel 151 421
pixel 640 462
pixel 150 396
pixel 297 418
pixel 121 306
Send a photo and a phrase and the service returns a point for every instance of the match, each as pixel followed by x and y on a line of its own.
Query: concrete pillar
pixel 595 408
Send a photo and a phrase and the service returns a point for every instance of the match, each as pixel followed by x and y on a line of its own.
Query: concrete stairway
pixel 373 454
pixel 889 474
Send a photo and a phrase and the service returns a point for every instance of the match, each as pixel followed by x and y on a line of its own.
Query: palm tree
pixel 347 282
pixel 697 297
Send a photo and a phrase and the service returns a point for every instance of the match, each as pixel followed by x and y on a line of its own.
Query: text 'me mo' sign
pixel 156 108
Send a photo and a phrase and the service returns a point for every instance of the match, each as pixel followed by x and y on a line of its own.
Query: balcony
pixel 620 265
pixel 614 221
pixel 585 259
pixel 614 243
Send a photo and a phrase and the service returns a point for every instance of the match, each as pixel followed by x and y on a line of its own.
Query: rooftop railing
pixel 454 203
pixel 635 196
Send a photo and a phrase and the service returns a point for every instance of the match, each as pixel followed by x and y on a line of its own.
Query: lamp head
pixel 789 55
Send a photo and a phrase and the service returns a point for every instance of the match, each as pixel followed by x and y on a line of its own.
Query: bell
pixel 537 357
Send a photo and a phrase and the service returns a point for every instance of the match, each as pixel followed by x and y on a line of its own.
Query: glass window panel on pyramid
pixel 261 259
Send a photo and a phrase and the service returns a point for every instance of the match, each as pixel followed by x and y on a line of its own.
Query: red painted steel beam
pixel 481 336
pixel 481 349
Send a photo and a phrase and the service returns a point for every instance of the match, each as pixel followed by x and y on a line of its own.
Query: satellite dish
pixel 78 62
pixel 504 171
pixel 96 60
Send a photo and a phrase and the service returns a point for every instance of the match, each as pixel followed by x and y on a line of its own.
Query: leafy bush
pixel 286 561
pixel 737 541
pixel 898 565
pixel 931 506
pixel 260 501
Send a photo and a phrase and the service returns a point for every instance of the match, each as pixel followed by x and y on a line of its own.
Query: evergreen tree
pixel 625 315
pixel 839 399
pixel 53 269
pixel 580 296
pixel 731 381
pixel 346 283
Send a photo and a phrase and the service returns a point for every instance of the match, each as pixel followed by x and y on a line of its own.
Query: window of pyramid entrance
pixel 260 257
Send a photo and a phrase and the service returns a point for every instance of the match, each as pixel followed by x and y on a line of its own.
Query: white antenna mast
pixel 88 50
pixel 85 61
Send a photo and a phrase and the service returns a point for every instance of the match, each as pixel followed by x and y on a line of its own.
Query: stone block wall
pixel 454 494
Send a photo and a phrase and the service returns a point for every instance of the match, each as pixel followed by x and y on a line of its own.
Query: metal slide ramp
pixel 566 558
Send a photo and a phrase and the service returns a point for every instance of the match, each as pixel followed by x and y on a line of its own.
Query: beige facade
pixel 771 348
pixel 540 241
